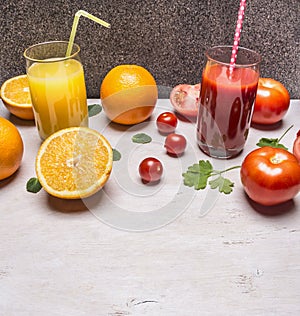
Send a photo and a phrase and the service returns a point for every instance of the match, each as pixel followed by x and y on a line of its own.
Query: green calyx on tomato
pixel 273 142
pixel 271 103
pixel 270 175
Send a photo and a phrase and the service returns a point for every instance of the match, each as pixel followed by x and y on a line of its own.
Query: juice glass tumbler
pixel 226 101
pixel 57 87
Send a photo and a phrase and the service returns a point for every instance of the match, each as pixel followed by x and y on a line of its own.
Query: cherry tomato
pixel 150 169
pixel 296 147
pixel 271 103
pixel 166 122
pixel 270 175
pixel 175 144
pixel 184 98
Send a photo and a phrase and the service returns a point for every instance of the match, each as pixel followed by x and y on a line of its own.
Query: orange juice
pixel 58 95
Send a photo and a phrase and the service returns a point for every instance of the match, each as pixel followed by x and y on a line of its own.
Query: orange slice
pixel 74 163
pixel 15 95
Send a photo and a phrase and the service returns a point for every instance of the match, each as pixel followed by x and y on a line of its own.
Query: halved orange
pixel 15 95
pixel 74 163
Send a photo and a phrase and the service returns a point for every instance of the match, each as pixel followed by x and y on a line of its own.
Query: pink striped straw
pixel 237 34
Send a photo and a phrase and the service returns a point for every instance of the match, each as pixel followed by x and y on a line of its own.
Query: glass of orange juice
pixel 57 87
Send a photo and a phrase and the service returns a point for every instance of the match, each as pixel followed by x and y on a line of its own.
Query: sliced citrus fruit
pixel 15 95
pixel 74 162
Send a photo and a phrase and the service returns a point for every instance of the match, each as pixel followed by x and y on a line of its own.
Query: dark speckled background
pixel 168 37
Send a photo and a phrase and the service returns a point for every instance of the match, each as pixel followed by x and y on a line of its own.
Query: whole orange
pixel 128 94
pixel 11 148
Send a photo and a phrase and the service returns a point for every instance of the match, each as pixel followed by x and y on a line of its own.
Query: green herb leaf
pixel 94 109
pixel 225 185
pixel 141 138
pixel 116 155
pixel 33 185
pixel 271 142
pixel 198 174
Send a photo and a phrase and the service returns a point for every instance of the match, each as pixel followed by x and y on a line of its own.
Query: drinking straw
pixel 237 34
pixel 78 14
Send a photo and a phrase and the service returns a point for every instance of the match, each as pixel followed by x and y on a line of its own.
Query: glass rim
pixel 238 65
pixel 47 43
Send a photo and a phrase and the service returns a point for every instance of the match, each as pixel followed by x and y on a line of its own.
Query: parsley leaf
pixel 141 138
pixel 224 185
pixel 33 185
pixel 94 109
pixel 198 174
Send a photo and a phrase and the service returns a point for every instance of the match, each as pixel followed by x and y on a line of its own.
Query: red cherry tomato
pixel 184 98
pixel 150 169
pixel 175 144
pixel 270 175
pixel 271 103
pixel 166 122
pixel 296 147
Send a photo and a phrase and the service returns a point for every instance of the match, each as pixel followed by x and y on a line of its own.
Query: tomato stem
pixel 279 139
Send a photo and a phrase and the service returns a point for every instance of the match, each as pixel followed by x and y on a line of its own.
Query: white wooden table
pixel 147 250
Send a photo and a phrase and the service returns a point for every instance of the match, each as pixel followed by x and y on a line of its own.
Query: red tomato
pixel 175 144
pixel 271 103
pixel 296 147
pixel 150 169
pixel 184 98
pixel 166 122
pixel 270 175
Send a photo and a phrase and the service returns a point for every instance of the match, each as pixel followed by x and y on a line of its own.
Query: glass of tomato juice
pixel 226 101
pixel 57 87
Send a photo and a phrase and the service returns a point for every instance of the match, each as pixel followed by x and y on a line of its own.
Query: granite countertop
pixel 167 37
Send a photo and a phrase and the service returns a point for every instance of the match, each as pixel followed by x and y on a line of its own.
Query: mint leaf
pixel 224 185
pixel 141 138
pixel 94 109
pixel 116 155
pixel 33 185
pixel 270 142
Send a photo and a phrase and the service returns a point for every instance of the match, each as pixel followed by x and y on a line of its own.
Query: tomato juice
pixel 226 103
